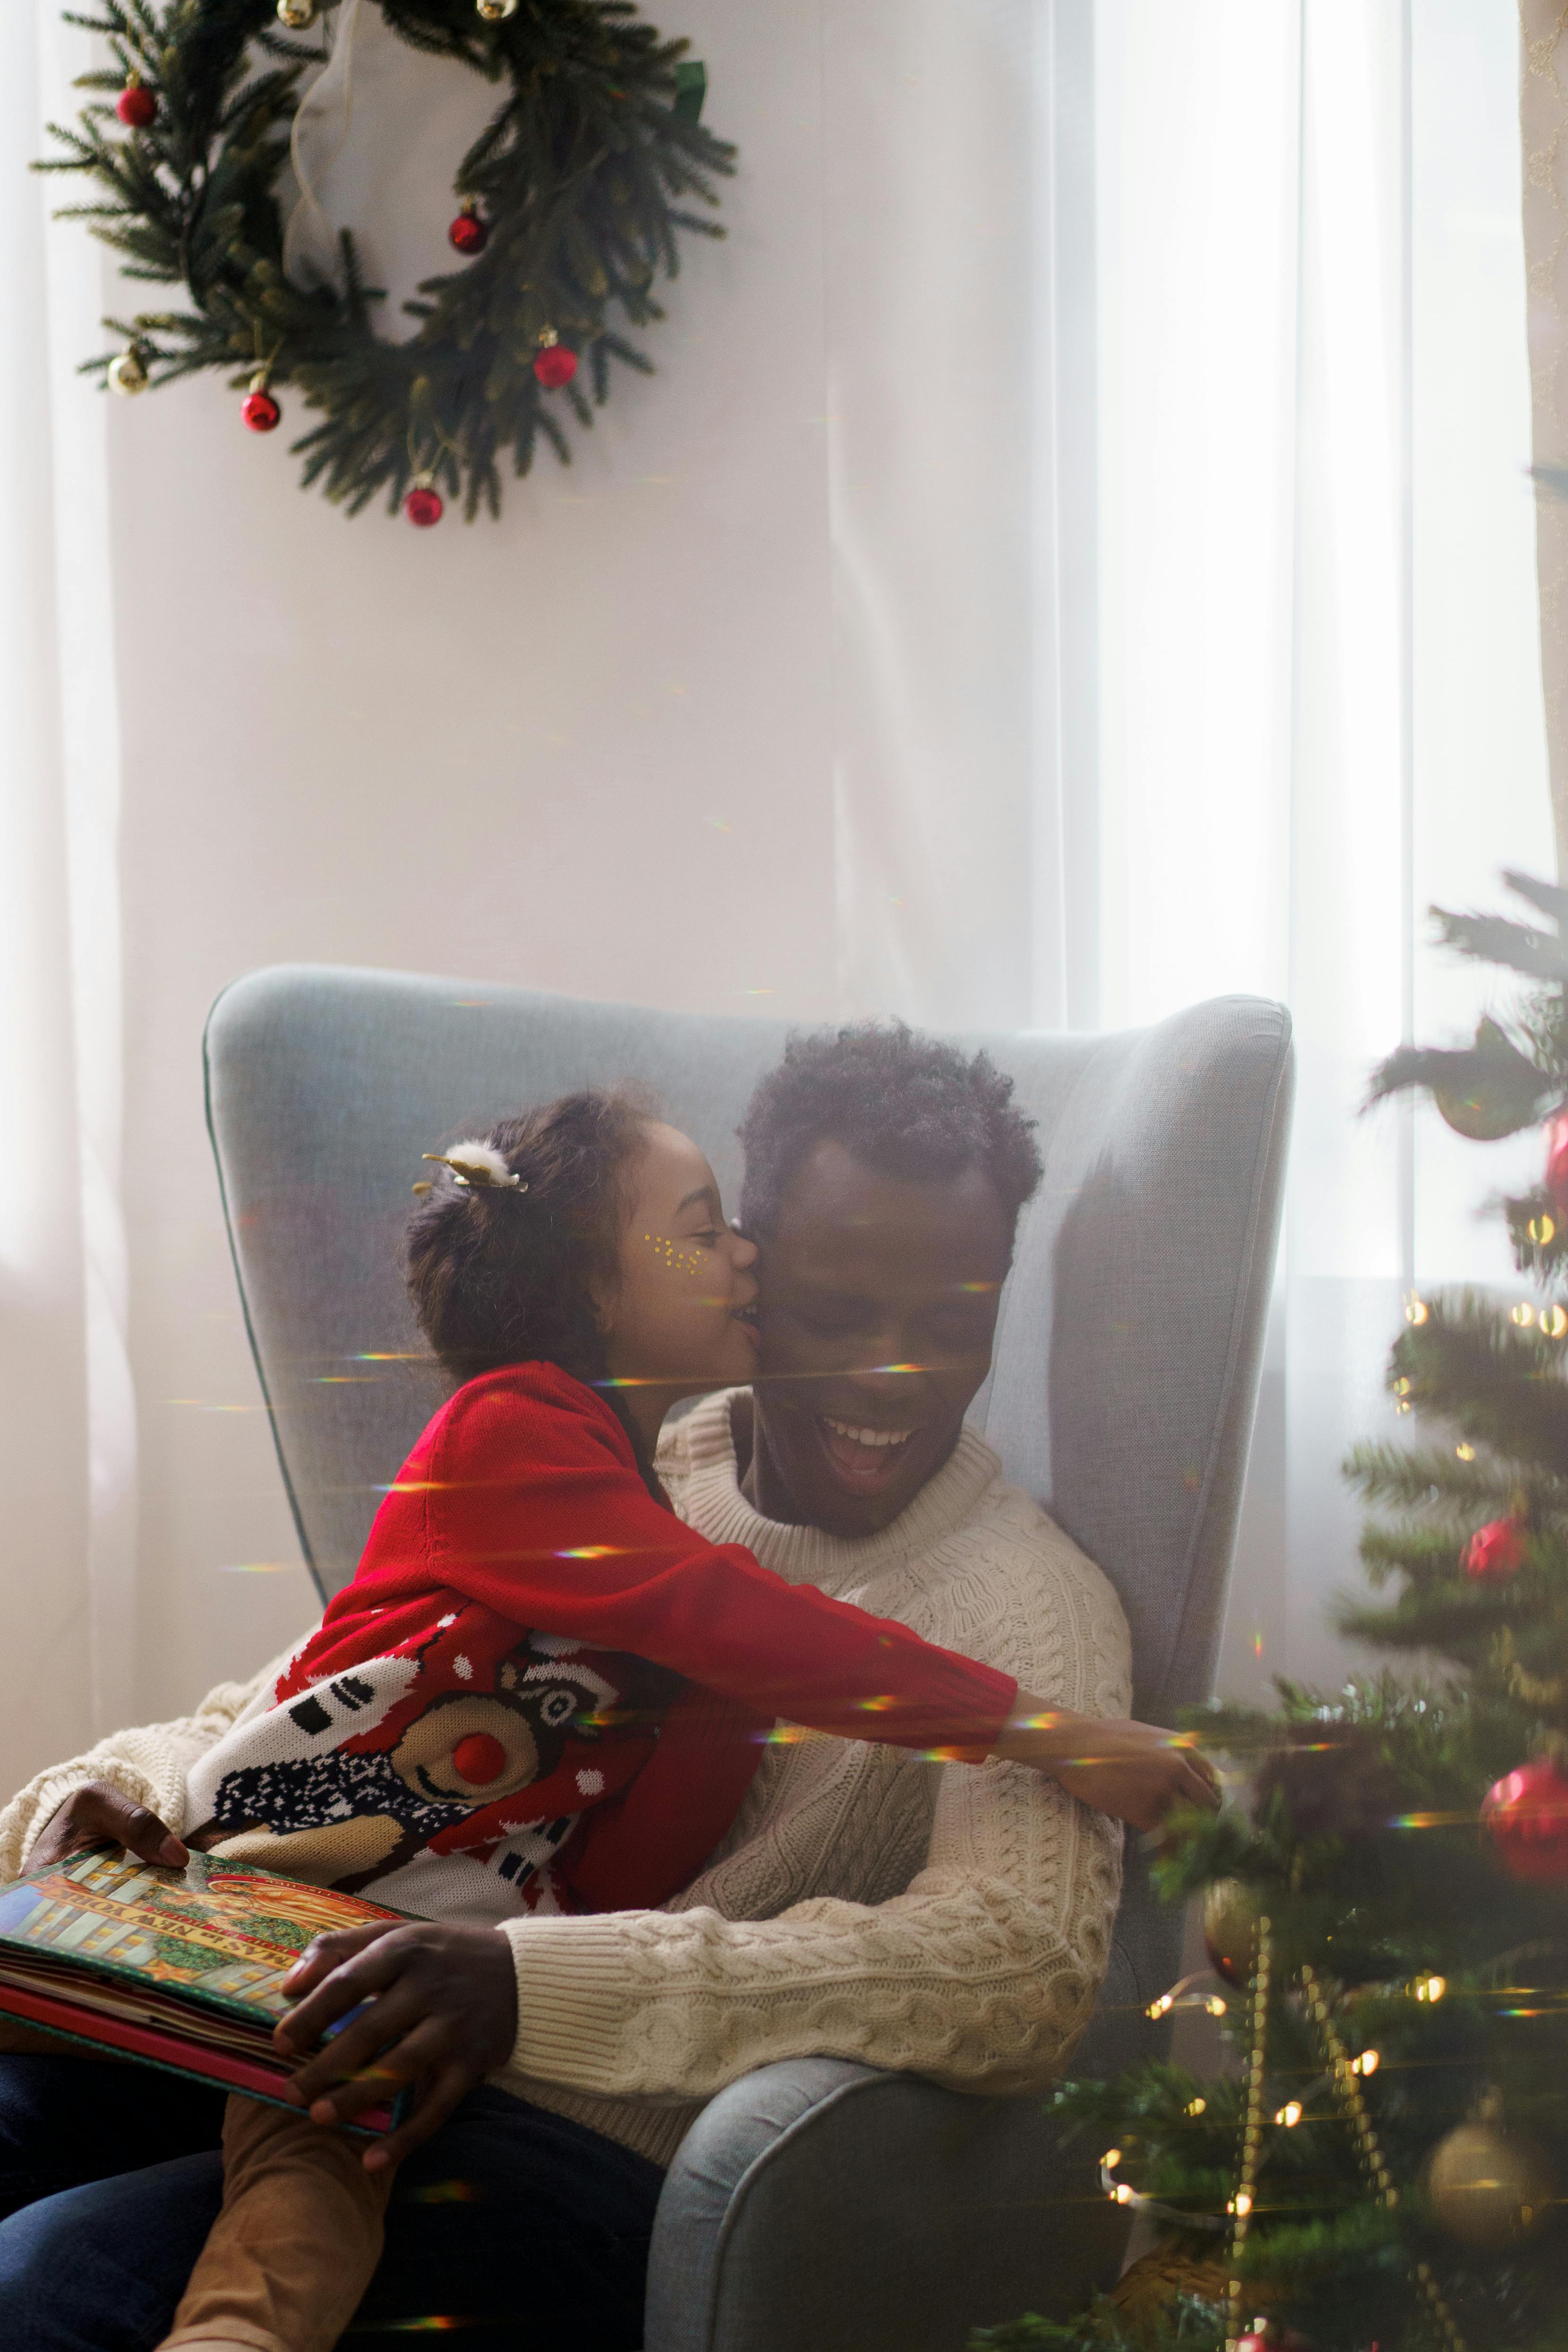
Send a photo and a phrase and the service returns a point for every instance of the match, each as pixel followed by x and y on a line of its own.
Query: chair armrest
pixel 826 2203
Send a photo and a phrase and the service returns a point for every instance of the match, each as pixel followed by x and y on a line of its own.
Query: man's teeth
pixel 868 1436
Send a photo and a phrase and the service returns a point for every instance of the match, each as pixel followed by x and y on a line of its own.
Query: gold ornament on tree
pixel 1488 2186
pixel 297 14
pixel 1231 1912
pixel 495 12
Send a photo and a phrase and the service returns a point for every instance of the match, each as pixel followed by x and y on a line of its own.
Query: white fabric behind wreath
pixel 378 137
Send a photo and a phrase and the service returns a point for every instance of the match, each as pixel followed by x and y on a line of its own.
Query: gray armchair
pixel 818 2205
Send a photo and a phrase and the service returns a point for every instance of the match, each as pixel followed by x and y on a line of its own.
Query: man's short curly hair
pixel 905 1104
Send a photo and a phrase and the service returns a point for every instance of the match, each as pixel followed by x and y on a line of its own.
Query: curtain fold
pixel 67 1422
pixel 1543 129
pixel 1321 693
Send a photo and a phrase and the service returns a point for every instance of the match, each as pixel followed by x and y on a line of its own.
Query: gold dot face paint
pixel 679 1260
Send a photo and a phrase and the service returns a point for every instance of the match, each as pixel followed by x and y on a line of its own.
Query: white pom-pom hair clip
pixel 478 1166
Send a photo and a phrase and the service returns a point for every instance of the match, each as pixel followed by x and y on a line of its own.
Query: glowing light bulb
pixel 1196 2107
pixel 1417 1310
pixel 1367 2064
pixel 1554 1321
pixel 1523 1315
pixel 1215 2004
pixel 1540 1230
pixel 1289 2113
pixel 1123 2194
pixel 1111 2158
pixel 1431 1987
pixel 1466 1453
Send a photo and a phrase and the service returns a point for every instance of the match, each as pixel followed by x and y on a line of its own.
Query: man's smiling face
pixel 876 1309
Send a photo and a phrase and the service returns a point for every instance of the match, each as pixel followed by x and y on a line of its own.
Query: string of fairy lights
pixel 1343 2077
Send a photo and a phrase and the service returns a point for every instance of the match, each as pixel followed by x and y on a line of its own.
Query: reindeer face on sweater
pixel 471 1752
pixel 454 1745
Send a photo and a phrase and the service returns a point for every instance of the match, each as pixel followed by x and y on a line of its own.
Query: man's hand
pixel 1134 1772
pixel 442 2014
pixel 96 1811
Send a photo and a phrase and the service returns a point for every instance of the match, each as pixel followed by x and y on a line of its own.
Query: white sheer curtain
pixel 1320 690
pixel 1186 619
pixel 67 1427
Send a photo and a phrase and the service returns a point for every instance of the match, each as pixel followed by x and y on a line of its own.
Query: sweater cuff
pixel 984 1708
pixel 571 2002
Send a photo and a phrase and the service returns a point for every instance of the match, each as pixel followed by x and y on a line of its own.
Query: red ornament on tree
pixel 1496 1551
pixel 424 505
pixel 554 364
pixel 259 410
pixel 1557 1164
pixel 1526 1815
pixel 468 233
pixel 136 104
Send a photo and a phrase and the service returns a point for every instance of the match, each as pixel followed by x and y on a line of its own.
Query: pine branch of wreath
pixel 586 175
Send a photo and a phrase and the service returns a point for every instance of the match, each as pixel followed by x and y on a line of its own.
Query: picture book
pixel 178 1968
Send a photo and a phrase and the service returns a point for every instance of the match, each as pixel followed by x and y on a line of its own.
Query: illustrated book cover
pixel 178 1968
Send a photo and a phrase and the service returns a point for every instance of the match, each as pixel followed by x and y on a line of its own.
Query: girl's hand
pixel 96 1811
pixel 442 2014
pixel 1134 1772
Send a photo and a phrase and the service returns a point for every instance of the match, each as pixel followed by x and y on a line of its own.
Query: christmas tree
pixel 1383 2166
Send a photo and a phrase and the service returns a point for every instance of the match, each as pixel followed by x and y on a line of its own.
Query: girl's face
pixel 680 1318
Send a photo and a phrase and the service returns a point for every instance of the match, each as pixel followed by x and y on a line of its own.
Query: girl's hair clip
pixel 478 1166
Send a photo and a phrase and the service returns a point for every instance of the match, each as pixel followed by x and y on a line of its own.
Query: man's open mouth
pixel 864 1458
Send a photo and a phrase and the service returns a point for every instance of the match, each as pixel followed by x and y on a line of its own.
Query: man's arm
pixel 980 1975
pixel 146 1766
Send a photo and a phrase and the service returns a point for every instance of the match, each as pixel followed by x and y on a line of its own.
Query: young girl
pixel 541 1690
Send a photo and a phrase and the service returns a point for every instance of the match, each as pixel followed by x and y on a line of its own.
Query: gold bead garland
pixel 1347 2083
pixel 1252 2126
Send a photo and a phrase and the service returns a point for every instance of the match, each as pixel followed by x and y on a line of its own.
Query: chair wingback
pixel 1128 1348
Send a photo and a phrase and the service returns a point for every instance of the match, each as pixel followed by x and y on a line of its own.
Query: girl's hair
pixel 500 1274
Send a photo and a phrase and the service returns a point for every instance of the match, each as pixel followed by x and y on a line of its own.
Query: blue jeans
pixel 513 2226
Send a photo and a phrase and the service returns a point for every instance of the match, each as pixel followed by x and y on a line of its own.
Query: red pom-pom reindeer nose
pixel 480 1758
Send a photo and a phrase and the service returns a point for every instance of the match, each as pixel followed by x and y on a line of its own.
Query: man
pixel 954 1922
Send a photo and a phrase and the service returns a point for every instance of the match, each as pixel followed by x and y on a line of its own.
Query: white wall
pixel 584 749
pixel 685 726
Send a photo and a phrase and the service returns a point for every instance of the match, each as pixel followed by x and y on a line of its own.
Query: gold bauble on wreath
pixel 1232 1910
pixel 1488 2186
pixel 127 373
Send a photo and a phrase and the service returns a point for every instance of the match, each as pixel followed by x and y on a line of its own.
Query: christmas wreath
pixel 571 201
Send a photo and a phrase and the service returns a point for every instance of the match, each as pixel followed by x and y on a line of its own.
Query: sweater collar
pixel 699 1454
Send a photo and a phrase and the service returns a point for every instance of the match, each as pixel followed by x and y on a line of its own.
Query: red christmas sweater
pixel 542 1690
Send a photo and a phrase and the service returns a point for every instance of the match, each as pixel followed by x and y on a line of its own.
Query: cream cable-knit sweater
pixel 954 1921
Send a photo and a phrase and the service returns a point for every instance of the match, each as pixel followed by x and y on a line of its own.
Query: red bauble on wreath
pixel 1526 1816
pixel 553 364
pixel 259 410
pixel 1496 1551
pixel 136 105
pixel 468 233
pixel 424 505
